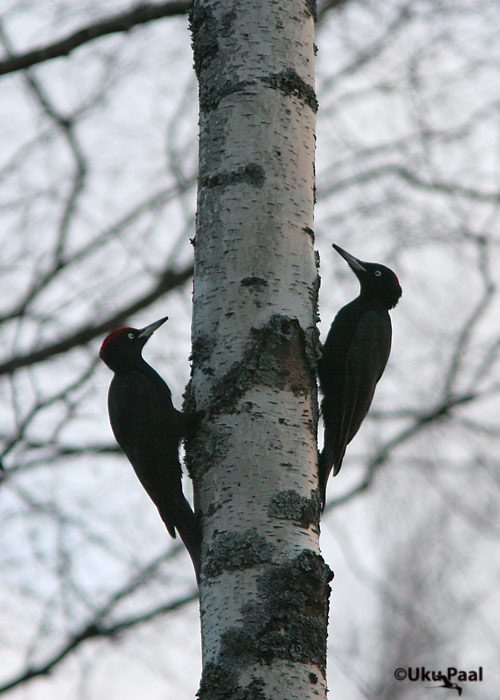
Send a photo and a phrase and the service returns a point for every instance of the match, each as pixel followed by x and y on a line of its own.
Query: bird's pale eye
pixel 131 336
pixel 377 273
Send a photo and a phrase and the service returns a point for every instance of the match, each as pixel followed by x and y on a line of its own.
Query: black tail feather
pixel 330 458
pixel 180 517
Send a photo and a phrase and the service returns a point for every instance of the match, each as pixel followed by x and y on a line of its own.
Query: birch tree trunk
pixel 264 586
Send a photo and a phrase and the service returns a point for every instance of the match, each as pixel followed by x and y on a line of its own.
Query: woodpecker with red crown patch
pixel 149 429
pixel 353 359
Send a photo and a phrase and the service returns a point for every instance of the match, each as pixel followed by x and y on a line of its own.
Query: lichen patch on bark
pixel 286 622
pixel 275 357
pixel 203 25
pixel 236 550
pixel 289 505
pixel 221 682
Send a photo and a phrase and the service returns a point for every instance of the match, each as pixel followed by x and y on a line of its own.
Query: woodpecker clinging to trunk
pixel 149 429
pixel 353 359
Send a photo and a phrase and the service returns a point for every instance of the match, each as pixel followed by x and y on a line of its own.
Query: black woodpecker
pixel 149 429
pixel 353 359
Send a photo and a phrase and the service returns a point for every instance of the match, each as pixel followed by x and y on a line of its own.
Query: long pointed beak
pixel 148 331
pixel 350 259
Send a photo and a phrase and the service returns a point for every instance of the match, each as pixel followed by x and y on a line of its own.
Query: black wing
pixel 366 361
pixel 366 358
pixel 148 429
pixel 145 427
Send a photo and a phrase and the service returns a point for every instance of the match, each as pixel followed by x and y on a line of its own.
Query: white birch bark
pixel 264 586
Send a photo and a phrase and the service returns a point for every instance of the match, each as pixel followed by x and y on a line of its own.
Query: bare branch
pixel 45 402
pixel 66 126
pixel 435 414
pixel 150 203
pixel 411 178
pixel 94 630
pixel 373 50
pixel 52 452
pixel 123 22
pixel 167 281
pixel 471 321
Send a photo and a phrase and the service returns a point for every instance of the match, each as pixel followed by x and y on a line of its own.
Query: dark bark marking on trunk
pixel 317 285
pixel 289 624
pixel 213 91
pixel 202 350
pixel 311 9
pixel 289 505
pixel 207 450
pixel 220 682
pixel 253 282
pixel 204 31
pixel 289 82
pixel 276 356
pixel 309 231
pixel 226 23
pixel 231 551
pixel 253 174
pixel 256 286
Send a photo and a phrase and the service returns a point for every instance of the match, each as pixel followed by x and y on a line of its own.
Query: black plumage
pixel 149 429
pixel 353 359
